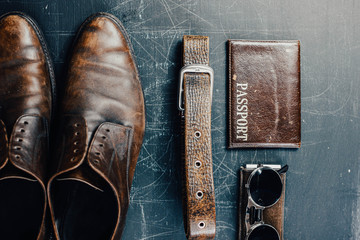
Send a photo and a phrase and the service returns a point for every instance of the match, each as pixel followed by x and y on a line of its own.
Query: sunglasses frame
pixel 250 227
pixel 256 225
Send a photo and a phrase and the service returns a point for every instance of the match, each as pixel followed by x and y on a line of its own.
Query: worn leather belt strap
pixel 195 94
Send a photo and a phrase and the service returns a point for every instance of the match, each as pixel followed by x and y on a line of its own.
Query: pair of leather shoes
pixel 101 127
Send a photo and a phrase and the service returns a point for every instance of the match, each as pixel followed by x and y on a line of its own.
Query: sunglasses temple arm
pixel 283 169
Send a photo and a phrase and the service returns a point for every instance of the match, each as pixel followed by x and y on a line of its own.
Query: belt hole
pixel 22 130
pixel 26 122
pixel 20 140
pixel 197 134
pixel 201 224
pixel 101 145
pixel 108 130
pixel 103 137
pixel 197 164
pixel 199 194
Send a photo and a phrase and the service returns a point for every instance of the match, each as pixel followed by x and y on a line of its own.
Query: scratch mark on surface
pixel 137 201
pixel 119 6
pixel 161 234
pixel 168 10
pixel 318 95
pixel 312 143
pixel 153 184
pixel 150 55
pixel 191 12
pixel 143 222
pixel 221 162
pixel 174 27
pixel 219 15
pixel 221 225
pixel 227 169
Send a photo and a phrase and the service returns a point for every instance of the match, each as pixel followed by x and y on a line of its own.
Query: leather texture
pixel 103 126
pixel 199 205
pixel 273 215
pixel 26 84
pixel 264 94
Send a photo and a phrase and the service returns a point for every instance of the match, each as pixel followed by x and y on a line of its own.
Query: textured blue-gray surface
pixel 322 196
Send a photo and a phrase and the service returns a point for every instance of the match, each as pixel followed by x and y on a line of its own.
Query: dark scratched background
pixel 322 195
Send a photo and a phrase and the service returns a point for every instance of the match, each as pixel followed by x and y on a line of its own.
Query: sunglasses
pixel 264 188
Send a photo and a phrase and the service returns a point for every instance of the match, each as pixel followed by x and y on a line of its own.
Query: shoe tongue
pixel 85 175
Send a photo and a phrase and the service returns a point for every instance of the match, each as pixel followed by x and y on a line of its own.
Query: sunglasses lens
pixel 265 187
pixel 264 232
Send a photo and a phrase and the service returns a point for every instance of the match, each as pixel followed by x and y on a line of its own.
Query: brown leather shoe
pixel 102 130
pixel 26 80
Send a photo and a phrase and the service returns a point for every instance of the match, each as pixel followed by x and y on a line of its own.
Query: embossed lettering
pixel 241 111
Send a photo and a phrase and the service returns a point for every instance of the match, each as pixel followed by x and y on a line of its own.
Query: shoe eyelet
pixel 97 153
pixel 76 150
pixel 76 143
pixel 103 137
pixel 72 159
pixel 22 130
pixel 17 156
pixel 101 145
pixel 26 122
pixel 77 125
pixel 77 133
pixel 17 148
pixel 96 161
pixel 108 130
pixel 20 140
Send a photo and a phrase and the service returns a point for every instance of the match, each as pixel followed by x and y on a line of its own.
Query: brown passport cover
pixel 264 94
pixel 273 216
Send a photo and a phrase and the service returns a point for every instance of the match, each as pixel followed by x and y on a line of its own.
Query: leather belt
pixel 194 102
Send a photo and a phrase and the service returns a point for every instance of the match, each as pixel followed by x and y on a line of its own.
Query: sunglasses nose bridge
pixel 256 215
pixel 253 214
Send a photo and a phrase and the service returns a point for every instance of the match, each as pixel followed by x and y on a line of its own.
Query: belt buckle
pixel 193 68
